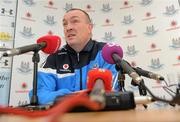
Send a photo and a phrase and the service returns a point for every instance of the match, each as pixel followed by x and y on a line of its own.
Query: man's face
pixel 77 29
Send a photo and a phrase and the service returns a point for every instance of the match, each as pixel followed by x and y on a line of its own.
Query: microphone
pixel 99 81
pixel 113 53
pixel 125 100
pixel 148 74
pixel 143 99
pixel 144 73
pixel 49 44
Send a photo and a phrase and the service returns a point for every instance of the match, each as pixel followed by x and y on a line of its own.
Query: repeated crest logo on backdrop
pixel 27 32
pixel 175 43
pixel 128 19
pixel 29 2
pixel 68 6
pixel 146 2
pixel 106 8
pixel 50 20
pixel 108 37
pixel 155 64
pixel 153 48
pixel 145 31
pixel 131 51
pixel 24 68
pixel 170 10
pixel 28 16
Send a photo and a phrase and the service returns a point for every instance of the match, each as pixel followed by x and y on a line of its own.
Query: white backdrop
pixel 147 30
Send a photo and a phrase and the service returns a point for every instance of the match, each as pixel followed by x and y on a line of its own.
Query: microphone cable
pixel 56 112
pixel 175 99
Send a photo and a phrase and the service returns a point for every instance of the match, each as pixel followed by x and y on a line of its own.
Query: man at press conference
pixel 66 70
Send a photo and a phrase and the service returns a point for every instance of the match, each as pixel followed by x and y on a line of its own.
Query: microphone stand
pixel 34 99
pixel 121 78
pixel 34 105
pixel 142 90
pixel 176 98
pixel 35 59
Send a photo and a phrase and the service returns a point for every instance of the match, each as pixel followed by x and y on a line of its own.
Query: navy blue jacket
pixel 66 71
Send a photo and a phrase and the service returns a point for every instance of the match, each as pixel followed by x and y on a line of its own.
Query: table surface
pixel 136 115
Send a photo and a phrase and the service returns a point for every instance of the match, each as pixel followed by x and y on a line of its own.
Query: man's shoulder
pixel 59 52
pixel 99 44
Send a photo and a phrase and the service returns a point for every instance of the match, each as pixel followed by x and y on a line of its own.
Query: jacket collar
pixel 87 48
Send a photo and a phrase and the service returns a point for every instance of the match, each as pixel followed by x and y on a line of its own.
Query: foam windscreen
pixel 109 49
pixel 53 43
pixel 103 74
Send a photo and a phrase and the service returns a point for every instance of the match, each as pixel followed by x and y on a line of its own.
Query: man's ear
pixel 90 27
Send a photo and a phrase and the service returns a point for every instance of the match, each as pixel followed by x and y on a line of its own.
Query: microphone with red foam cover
pixel 49 44
pixel 53 43
pixel 99 81
pixel 99 74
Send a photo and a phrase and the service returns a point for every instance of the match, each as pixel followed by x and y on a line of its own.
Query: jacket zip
pixel 80 72
pixel 81 79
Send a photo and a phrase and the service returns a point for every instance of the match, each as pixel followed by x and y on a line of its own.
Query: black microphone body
pixel 139 71
pixel 24 49
pixel 98 92
pixel 122 64
pixel 148 74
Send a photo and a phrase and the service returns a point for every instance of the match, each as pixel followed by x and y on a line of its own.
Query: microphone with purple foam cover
pixel 113 53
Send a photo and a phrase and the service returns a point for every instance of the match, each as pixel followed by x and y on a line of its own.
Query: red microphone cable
pixel 69 102
pixel 55 113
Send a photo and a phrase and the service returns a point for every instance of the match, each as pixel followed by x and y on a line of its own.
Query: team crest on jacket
pixel 96 66
pixel 65 66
